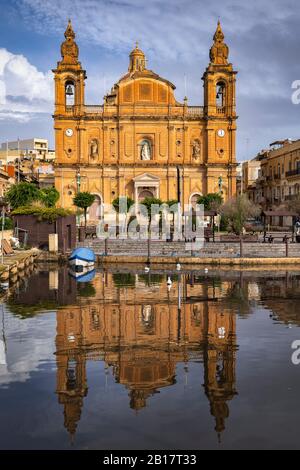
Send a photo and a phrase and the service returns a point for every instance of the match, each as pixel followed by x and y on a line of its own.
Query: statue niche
pixel 196 149
pixel 145 152
pixel 94 149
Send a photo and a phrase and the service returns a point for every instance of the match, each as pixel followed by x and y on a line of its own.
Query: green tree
pixel 118 202
pixel 211 201
pixel 22 194
pixel 172 202
pixel 49 196
pixel 237 210
pixel 84 200
pixel 293 205
pixel 149 201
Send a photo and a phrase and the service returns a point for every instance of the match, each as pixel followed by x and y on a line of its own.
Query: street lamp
pixel 220 184
pixel 3 205
pixel 78 181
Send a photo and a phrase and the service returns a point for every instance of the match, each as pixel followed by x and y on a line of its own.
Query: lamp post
pixel 78 182
pixel 3 205
pixel 220 184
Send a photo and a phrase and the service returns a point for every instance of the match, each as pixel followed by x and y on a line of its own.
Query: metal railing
pixel 293 172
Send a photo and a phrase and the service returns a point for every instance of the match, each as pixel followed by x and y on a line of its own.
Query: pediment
pixel 146 178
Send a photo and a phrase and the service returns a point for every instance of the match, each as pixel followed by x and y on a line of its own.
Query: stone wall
pixel 210 250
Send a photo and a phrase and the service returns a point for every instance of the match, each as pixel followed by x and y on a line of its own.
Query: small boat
pixel 82 258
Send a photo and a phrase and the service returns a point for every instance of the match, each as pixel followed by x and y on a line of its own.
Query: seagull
pixel 178 266
pixel 169 282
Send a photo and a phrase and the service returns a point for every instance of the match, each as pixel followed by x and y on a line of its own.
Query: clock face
pixel 69 132
pixel 221 132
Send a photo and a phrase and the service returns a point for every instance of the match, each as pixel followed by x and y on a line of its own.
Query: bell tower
pixel 220 114
pixel 69 78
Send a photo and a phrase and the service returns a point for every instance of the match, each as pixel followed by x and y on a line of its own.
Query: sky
pixel 263 37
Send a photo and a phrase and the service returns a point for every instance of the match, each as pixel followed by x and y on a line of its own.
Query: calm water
pixel 122 362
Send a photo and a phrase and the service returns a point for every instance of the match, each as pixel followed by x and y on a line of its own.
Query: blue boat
pixel 83 258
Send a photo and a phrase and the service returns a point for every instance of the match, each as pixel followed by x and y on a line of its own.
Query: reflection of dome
pixel 143 373
pixel 138 399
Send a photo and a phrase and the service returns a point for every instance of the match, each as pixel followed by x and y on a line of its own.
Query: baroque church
pixel 141 142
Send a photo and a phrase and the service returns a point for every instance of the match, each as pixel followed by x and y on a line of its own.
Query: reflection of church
pixel 141 141
pixel 142 340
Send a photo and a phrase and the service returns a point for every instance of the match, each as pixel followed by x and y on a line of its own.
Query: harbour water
pixel 126 362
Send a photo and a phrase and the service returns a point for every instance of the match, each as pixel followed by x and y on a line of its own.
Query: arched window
pixel 70 93
pixel 145 150
pixel 194 199
pixel 220 94
pixel 95 210
pixel 71 375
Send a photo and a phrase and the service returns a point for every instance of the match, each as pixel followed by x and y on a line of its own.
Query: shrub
pixel 49 214
pixel 211 201
pixel 22 194
pixel 237 210
pixel 8 223
pixel 49 196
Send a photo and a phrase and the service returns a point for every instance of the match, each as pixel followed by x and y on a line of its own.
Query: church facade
pixel 142 142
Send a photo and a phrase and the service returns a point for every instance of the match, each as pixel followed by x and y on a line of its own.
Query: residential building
pixel 279 180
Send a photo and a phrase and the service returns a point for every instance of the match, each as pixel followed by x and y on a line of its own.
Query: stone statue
pixel 196 149
pixel 145 151
pixel 219 51
pixel 94 149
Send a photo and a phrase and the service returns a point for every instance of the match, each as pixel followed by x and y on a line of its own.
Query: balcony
pixel 93 109
pixel 195 111
pixel 293 172
pixel 221 110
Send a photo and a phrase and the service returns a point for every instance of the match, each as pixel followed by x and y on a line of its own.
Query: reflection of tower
pixel 3 361
pixel 71 366
pixel 219 363
pixel 71 388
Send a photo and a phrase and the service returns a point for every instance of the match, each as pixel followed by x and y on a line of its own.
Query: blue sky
pixel 263 37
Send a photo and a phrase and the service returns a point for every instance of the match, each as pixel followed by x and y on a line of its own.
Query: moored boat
pixel 82 258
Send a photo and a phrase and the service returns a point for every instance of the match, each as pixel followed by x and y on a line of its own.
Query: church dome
pixel 137 60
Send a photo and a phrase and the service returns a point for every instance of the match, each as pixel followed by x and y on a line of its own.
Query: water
pixel 122 362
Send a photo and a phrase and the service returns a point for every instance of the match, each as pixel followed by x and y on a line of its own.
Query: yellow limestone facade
pixel 141 142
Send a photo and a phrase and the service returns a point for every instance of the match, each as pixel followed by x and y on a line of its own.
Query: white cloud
pixel 176 36
pixel 24 90
pixel 29 345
